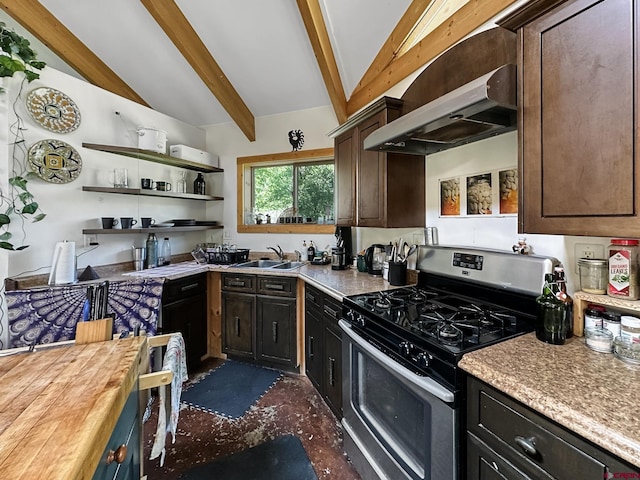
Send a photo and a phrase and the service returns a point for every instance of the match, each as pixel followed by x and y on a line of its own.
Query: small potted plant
pixel 17 202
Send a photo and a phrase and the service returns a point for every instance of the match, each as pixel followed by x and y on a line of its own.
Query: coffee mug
pixel 109 222
pixel 127 222
pixel 163 186
pixel 147 221
pixel 146 183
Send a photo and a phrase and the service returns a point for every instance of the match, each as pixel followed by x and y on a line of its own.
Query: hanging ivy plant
pixel 17 56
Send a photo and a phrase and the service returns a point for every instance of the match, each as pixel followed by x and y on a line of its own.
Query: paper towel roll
pixel 63 265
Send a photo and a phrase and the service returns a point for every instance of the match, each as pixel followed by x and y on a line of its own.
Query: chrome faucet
pixel 298 254
pixel 278 251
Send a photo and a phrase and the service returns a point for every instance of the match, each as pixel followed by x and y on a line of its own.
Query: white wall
pixel 68 208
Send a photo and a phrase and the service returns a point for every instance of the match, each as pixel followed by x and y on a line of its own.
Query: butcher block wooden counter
pixel 58 407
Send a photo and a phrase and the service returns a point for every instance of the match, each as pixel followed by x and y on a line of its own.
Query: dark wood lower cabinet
pixel 184 310
pixel 508 440
pixel 323 342
pixel 259 319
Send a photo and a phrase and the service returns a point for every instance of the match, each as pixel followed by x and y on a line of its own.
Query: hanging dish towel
pixel 174 360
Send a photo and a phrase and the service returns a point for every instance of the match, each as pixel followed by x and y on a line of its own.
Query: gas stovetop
pixel 465 299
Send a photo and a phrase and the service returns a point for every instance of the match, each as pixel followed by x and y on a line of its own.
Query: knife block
pixel 94 331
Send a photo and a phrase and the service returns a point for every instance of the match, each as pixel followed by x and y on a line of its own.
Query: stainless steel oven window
pixel 404 421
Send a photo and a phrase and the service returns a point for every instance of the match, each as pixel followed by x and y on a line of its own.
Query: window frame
pixel 244 164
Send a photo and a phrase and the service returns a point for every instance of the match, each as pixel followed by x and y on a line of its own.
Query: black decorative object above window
pixel 296 139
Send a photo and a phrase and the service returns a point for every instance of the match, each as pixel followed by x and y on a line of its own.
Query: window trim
pixel 274 158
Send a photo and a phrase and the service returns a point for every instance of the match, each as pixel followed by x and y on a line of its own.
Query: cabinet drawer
pixel 184 287
pixel 485 464
pixel 239 283
pixel 332 312
pixel 279 286
pixel 533 443
pixel 313 298
pixel 126 432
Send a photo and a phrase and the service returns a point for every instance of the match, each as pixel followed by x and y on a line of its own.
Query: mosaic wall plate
pixel 55 161
pixel 53 110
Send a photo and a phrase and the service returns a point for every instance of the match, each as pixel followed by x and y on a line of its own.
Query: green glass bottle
pixel 551 314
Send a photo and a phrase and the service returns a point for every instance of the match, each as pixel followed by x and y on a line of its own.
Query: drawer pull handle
pixel 274 331
pixel 119 456
pixel 237 326
pixel 311 297
pixel 235 283
pixel 274 286
pixel 310 348
pixel 332 362
pixel 189 287
pixel 527 444
pixel 331 312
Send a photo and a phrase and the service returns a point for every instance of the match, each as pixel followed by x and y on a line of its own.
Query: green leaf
pixel 10 210
pixel 31 76
pixel 6 236
pixel 22 247
pixel 30 208
pixel 10 64
pixel 37 64
pixel 4 219
pixel 6 246
pixel 19 182
pixel 25 197
pixel 39 217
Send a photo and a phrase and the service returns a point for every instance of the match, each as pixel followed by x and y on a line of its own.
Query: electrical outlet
pixel 588 250
pixel 90 240
pixel 226 234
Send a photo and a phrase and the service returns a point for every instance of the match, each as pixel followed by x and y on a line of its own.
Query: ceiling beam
pixel 317 31
pixel 56 37
pixel 394 42
pixel 175 25
pixel 463 22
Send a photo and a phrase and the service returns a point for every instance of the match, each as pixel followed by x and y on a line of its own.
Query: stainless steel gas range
pixel 403 391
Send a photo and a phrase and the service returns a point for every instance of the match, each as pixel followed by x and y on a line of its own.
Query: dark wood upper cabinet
pixel 578 113
pixel 377 189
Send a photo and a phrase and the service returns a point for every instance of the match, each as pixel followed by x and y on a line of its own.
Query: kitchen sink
pixel 270 264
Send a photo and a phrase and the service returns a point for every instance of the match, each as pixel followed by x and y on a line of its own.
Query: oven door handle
pixel 426 383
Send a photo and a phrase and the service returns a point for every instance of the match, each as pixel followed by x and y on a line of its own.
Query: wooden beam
pixel 471 16
pixel 319 38
pixel 48 29
pixel 398 37
pixel 175 25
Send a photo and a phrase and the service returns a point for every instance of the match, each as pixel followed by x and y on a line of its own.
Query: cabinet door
pixel 485 464
pixel 371 174
pixel 276 320
pixel 333 370
pixel 238 324
pixel 189 317
pixel 578 120
pixel 314 352
pixel 346 151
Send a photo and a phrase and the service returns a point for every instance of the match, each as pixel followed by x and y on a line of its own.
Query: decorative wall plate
pixel 53 110
pixel 55 161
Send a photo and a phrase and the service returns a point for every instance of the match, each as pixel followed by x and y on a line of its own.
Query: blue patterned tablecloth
pixel 49 315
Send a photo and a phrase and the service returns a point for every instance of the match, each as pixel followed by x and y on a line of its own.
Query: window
pixel 287 192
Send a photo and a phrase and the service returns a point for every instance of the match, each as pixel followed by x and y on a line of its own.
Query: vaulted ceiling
pixel 208 62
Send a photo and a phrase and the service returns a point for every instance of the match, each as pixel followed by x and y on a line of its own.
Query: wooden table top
pixel 59 406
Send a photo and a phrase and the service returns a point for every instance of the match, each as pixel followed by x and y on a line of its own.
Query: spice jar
pixel 611 321
pixel 623 269
pixel 592 318
pixel 593 275
pixel 599 339
pixel 630 329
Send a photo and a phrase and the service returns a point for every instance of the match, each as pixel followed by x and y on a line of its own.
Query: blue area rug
pixel 283 458
pixel 230 389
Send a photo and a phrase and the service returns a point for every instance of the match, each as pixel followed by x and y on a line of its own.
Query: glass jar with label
pixel 611 321
pixel 592 318
pixel 623 269
pixel 593 275
pixel 630 328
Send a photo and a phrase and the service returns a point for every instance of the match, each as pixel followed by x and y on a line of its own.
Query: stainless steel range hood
pixel 479 109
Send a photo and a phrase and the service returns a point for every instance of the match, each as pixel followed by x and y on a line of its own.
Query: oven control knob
pixel 423 359
pixel 351 315
pixel 360 321
pixel 405 349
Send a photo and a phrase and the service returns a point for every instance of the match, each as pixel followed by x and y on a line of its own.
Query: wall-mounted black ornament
pixel 296 139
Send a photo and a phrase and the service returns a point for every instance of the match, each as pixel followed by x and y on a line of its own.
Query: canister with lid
pixel 592 318
pixel 630 328
pixel 611 321
pixel 623 269
pixel 593 275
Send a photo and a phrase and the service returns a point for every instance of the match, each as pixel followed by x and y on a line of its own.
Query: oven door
pixel 397 425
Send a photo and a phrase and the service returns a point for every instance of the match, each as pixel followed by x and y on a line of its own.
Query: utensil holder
pixel 398 273
pixel 94 331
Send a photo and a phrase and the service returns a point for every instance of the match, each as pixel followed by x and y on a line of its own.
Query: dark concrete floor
pixel 291 406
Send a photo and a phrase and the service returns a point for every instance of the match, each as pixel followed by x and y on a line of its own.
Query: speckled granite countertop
pixel 592 394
